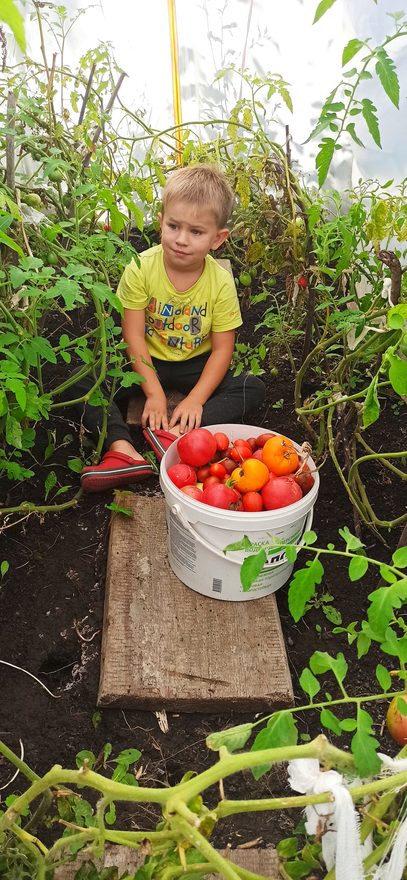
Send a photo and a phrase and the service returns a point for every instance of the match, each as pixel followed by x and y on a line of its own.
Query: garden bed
pixel 51 607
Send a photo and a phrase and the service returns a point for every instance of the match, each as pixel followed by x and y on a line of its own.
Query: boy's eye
pixel 172 225
pixel 196 232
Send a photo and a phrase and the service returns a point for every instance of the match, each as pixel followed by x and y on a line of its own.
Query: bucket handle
pixel 176 510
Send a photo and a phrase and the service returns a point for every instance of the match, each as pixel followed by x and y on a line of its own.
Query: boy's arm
pixel 155 409
pixel 188 413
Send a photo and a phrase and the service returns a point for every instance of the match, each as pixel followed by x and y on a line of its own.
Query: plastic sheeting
pixel 262 36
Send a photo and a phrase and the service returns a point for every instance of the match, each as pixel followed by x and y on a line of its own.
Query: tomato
pixel 202 473
pixel 217 470
pixel 222 441
pixel 220 496
pixel 258 455
pixel 252 502
pixel 228 464
pixel 56 175
pixel 262 439
pixel 304 479
pixel 197 447
pixel 51 259
pixel 396 722
pixel 241 452
pixel 302 282
pixel 245 279
pixel 193 492
pixel 182 475
pixel 280 492
pixel 211 481
pixel 280 456
pixel 107 227
pixel 250 476
pixel 252 442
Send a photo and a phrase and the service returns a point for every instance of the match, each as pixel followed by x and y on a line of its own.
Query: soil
pixel 51 608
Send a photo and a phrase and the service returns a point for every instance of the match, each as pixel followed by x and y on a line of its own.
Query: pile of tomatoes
pixel 261 473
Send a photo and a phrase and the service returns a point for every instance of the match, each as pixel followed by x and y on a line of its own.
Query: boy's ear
pixel 221 236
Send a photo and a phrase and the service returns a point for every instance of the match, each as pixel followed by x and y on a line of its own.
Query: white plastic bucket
pixel 199 533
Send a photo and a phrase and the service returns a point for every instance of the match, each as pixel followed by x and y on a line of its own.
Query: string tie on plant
pixel 339 821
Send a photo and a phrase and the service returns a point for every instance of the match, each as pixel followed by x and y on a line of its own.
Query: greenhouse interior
pixel 203 458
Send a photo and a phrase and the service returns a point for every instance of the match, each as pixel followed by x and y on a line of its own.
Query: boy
pixel 180 315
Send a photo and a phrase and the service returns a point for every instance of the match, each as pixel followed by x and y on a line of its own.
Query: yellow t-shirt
pixel 179 325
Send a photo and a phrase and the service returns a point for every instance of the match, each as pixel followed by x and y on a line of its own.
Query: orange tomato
pixel 250 476
pixel 280 456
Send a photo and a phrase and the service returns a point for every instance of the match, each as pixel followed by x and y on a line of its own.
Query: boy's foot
pixel 115 470
pixel 159 441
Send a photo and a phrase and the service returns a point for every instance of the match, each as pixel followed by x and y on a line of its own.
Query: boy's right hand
pixel 155 413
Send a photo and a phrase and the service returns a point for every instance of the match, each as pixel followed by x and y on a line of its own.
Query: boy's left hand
pixel 188 414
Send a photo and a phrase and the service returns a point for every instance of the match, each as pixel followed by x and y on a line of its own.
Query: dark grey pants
pixel 233 401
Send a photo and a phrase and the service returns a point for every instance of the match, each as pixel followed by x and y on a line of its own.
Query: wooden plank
pixel 136 403
pixel 259 861
pixel 166 646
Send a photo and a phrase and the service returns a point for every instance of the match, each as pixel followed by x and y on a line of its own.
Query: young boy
pixel 180 315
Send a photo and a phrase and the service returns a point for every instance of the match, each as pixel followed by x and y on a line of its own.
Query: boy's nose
pixel 181 236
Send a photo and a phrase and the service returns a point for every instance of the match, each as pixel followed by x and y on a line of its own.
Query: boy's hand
pixel 188 414
pixel 155 413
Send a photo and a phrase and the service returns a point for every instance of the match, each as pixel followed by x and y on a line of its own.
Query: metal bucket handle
pixel 176 510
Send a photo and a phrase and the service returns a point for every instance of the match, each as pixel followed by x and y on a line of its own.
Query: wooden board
pixel 166 646
pixel 259 861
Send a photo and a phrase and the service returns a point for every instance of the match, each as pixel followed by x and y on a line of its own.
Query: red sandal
pixel 115 470
pixel 159 441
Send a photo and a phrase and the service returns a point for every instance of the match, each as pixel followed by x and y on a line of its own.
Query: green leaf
pixel 19 391
pixel 352 542
pixel 302 587
pixel 402 705
pixel 324 158
pixel 383 676
pixel 281 730
pixel 363 643
pixel 398 374
pixel 321 662
pixel 251 568
pixel 371 405
pixel 309 538
pixel 352 131
pixel 244 544
pixel 4 567
pixel 358 567
pixel 83 756
pixel 348 724
pixel 351 49
pixel 287 848
pixel 322 8
pixel 127 757
pixel 400 557
pixel 5 239
pixel 118 508
pixel 233 738
pixel 369 112
pixel 383 601
pixel 397 315
pixel 330 721
pixel 75 465
pixel 50 482
pixel 364 746
pixel 131 378
pixel 309 683
pixel 386 71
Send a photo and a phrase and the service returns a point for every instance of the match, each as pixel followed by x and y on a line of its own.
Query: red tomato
pixel 220 496
pixel 107 227
pixel 252 502
pixel 202 473
pixel 197 447
pixel 241 452
pixel 182 475
pixel 258 454
pixel 396 722
pixel 211 481
pixel 252 442
pixel 304 479
pixel 193 492
pixel 229 465
pixel 280 492
pixel 262 439
pixel 217 470
pixel 302 282
pixel 222 441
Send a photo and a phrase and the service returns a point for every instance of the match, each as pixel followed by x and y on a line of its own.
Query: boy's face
pixel 188 233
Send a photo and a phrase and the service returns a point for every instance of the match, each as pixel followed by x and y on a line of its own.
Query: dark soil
pixel 51 607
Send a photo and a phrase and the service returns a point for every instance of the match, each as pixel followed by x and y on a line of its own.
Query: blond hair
pixel 203 186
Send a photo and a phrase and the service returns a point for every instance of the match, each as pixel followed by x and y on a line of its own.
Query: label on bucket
pixel 183 546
